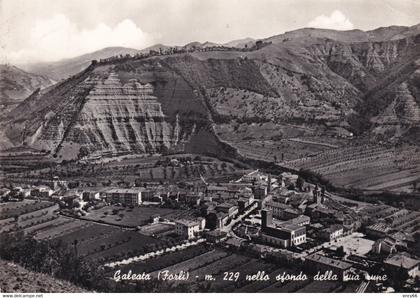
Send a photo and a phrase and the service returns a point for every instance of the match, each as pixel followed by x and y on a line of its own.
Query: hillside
pixel 67 67
pixel 16 279
pixel 17 84
pixel 295 96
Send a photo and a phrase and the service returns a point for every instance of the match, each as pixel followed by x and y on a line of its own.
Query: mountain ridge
pixel 312 81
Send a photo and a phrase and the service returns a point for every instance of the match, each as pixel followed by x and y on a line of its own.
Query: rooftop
pixel 328 261
pixel 188 223
pixel 402 260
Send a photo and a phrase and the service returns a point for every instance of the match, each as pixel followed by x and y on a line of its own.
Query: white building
pixel 188 229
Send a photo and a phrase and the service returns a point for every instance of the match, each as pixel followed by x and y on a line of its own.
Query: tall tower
pixel 266 218
pixel 269 184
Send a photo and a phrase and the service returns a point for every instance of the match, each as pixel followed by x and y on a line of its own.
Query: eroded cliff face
pixel 107 112
pixel 173 103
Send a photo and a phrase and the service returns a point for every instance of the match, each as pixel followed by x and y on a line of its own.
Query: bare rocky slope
pixel 362 83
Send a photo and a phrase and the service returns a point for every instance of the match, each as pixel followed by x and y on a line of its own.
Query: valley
pixel 307 99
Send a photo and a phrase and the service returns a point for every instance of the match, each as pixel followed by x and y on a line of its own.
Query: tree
pixel 340 252
pixel 83 151
pixel 300 183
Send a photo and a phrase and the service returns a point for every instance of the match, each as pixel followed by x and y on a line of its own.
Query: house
pixel 260 192
pixel 243 203
pixel 92 195
pixel 188 229
pixel 193 199
pixel 283 236
pixel 277 208
pixel 215 236
pixel 127 196
pixel 402 261
pixel 216 220
pixel 42 192
pixel 385 246
pixel 230 209
pixel 331 233
pixel 301 220
pixel 378 230
pixel 320 263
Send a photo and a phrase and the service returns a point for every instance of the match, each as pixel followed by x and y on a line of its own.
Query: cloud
pixel 58 37
pixel 337 21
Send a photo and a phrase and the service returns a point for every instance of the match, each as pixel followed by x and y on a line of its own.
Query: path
pixel 154 254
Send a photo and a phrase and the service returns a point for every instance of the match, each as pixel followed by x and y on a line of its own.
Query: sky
pixel 50 30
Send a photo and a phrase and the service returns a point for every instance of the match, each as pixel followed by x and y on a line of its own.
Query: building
pixel 402 261
pixel 281 211
pixel 244 203
pixel 260 192
pixel 126 196
pixel 216 220
pixel 378 230
pixel 215 236
pixel 284 236
pixel 91 195
pixel 385 246
pixel 230 209
pixel 301 220
pixel 332 233
pixel 42 192
pixel 320 263
pixel 188 229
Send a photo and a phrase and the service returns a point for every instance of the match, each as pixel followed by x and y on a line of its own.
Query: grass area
pixel 137 216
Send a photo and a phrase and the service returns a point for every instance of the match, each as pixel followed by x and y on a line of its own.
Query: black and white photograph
pixel 209 146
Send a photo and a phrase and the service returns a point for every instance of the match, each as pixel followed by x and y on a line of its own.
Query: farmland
pixel 137 216
pixel 202 260
pixel 130 169
pixel 365 167
pixel 267 141
pixel 91 240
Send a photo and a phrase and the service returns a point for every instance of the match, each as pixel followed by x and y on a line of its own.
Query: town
pixel 270 229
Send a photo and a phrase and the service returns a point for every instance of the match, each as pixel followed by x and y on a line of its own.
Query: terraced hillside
pixel 366 167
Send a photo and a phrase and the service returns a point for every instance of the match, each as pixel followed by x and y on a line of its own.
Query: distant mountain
pixel 67 67
pixel 376 35
pixel 241 43
pixel 17 84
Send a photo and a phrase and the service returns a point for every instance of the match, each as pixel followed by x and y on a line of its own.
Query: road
pixel 228 228
pixel 345 200
pixel 154 253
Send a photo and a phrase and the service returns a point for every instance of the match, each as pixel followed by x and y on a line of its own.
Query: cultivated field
pixel 201 260
pixel 137 216
pixel 365 167
pixel 271 142
pixel 90 240
pixel 131 169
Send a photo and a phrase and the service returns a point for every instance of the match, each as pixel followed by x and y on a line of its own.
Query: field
pixel 203 260
pixel 91 240
pixel 274 142
pixel 368 167
pixel 137 216
pixel 128 169
pixel 28 215
pixel 365 167
pixel 163 261
pixel 157 229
